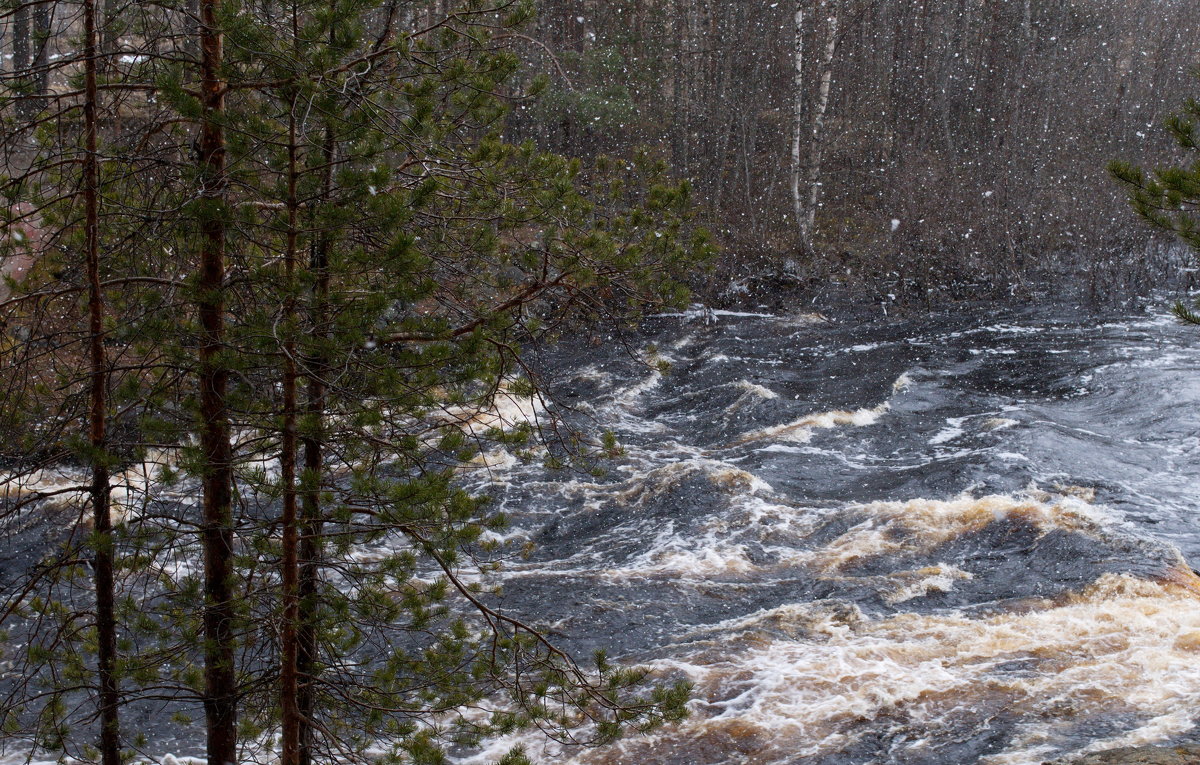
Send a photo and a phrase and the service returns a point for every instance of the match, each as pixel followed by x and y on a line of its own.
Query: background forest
pixel 919 148
pixel 955 146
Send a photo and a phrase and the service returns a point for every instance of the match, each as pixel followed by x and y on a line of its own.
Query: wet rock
pixel 1146 755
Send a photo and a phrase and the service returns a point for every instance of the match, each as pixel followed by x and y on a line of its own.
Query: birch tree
pixel 798 117
pixel 828 13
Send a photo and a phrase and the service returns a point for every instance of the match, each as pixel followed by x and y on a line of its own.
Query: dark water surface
pixel 959 538
pixel 954 540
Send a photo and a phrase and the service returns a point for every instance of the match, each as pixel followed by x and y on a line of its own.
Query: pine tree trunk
pixel 106 626
pixel 290 575
pixel 220 691
pixel 41 58
pixel 108 35
pixel 191 27
pixel 310 524
pixel 21 53
pixel 20 38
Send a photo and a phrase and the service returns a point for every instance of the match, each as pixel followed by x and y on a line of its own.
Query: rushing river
pixel 954 540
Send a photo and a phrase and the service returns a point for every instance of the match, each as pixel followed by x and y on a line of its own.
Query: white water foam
pixel 810 679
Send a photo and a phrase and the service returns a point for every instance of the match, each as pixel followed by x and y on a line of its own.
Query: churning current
pixel 959 539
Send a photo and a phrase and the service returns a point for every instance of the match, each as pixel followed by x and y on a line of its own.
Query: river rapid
pixel 955 539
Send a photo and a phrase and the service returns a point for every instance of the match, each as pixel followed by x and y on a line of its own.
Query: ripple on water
pixel 824 627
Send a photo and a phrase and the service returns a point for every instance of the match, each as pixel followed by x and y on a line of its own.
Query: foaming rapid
pixel 801 430
pixel 806 680
pixel 953 541
pixel 67 487
pixel 900 529
pixel 945 542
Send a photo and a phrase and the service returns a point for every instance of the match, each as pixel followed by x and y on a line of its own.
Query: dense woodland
pixel 272 267
pixel 981 127
pixel 931 148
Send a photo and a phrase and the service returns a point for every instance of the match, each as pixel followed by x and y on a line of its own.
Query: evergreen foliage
pixel 322 265
pixel 1169 197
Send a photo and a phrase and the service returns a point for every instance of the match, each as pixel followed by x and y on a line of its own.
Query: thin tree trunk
pixel 798 117
pixel 680 122
pixel 41 58
pixel 191 27
pixel 108 34
pixel 816 151
pixel 312 441
pixel 897 85
pixel 21 53
pixel 220 691
pixel 20 33
pixel 290 575
pixel 716 185
pixel 106 624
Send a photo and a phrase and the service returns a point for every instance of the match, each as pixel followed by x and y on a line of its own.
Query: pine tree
pixel 54 219
pixel 1169 198
pixel 324 263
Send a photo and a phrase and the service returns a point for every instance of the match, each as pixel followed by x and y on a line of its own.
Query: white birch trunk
pixel 816 151
pixel 798 117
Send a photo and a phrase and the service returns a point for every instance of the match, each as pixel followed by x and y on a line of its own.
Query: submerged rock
pixel 1143 755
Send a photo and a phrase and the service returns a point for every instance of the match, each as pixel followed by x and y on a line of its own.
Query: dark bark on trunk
pixel 108 34
pixel 288 674
pixel 21 53
pixel 41 58
pixel 220 682
pixel 310 523
pixel 106 626
pixel 679 135
pixel 20 43
pixel 191 27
